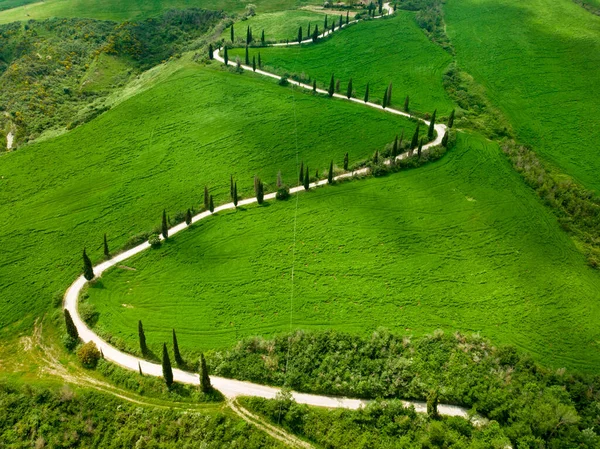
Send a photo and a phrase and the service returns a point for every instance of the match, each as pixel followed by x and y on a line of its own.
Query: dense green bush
pixel 88 355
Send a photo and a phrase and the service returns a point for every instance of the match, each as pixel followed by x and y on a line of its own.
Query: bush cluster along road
pixel 228 387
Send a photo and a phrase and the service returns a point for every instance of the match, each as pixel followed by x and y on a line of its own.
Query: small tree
pixel 451 119
pixel 206 198
pixel 315 86
pixel 176 353
pixel 262 38
pixel 415 140
pixel 300 35
pixel 232 33
pixel 205 385
pixel 432 404
pixel 376 157
pixel 388 101
pixel 315 35
pixel 337 86
pixel 346 162
pixel 331 89
pixel 166 367
pixel 349 90
pixel 400 142
pixel 70 325
pixel 406 101
pixel 347 17
pixel 140 368
pixel 211 204
pixel 247 61
pixel 248 36
pixel 279 180
pixel 210 51
pixel 367 94
pixel 431 126
pixel 231 186
pixel 253 63
pixel 88 270
pixel 308 32
pixel 259 61
pixel 235 195
pixel 445 140
pixel 88 355
pixel 106 251
pixel 142 338
pixel 260 193
pixel 395 147
pixel 188 217
pixel 164 225
pixel 325 25
pixel 341 21
pixel 306 179
pixel 330 175
pixel 420 148
pixel 333 26
pixel 385 98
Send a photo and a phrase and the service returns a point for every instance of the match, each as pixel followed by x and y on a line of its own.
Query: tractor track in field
pixel 231 388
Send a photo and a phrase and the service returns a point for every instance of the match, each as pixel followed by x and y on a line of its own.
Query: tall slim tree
pixel 166 367
pixel 225 56
pixel 70 325
pixel 415 140
pixel 232 33
pixel 254 63
pixel 395 147
pixel 300 35
pixel 205 385
pixel 431 126
pixel 445 140
pixel 314 86
pixel 235 196
pixel 205 198
pixel 400 143
pixel 367 94
pixel 142 338
pixel 346 161
pixel 259 61
pixel 164 227
pixel 279 180
pixel 176 353
pixel 325 26
pixel 262 38
pixel 106 251
pixel 247 62
pixel 210 51
pixel 330 175
pixel 139 368
pixel 88 270
pixel 306 179
pixel 347 17
pixel 385 98
pixel 341 21
pixel 337 86
pixel 376 157
pixel 406 101
pixel 315 35
pixel 420 148
pixel 451 119
pixel 333 26
pixel 260 193
pixel 231 186
pixel 248 35
pixel 211 204
pixel 389 95
pixel 301 176
pixel 188 217
pixel 331 89
pixel 308 32
pixel 349 91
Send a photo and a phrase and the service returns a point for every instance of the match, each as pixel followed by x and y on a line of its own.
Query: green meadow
pixel 376 52
pixel 458 244
pixel 158 150
pixel 539 61
pixel 120 10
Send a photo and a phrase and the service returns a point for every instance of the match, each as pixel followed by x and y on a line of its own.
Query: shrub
pixel 88 355
pixel 154 241
pixel 282 193
pixel 283 81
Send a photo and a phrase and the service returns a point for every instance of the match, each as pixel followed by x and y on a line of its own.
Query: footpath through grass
pixel 376 52
pixel 539 62
pixel 158 150
pixel 460 244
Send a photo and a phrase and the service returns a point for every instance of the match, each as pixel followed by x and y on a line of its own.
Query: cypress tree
pixel 247 56
pixel 188 217
pixel 232 35
pixel 432 125
pixel 376 157
pixel 331 86
pixel 211 204
pixel 420 148
pixel 346 162
pixel 279 180
pixel 347 17
pixel 88 270
pixel 106 251
pixel 306 179
pixel 231 186
pixel 395 147
pixel 445 140
pixel 385 98
pixel 415 139
pixel 300 35
pixel 248 35
pixel 315 86
pixel 139 368
pixel 205 385
pixel 176 353
pixel 400 143
pixel 330 175
pixel 389 95
pixel 210 51
pixel 367 94
pixel 301 177
pixel 308 33
pixel 333 26
pixel 70 325
pixel 341 21
pixel 235 197
pixel 451 119
pixel 142 338
pixel 337 86
pixel 225 56
pixel 164 225
pixel 205 198
pixel 251 37
pixel 262 38
pixel 166 367
pixel 406 100
pixel 325 26
pixel 315 35
pixel 349 91
pixel 254 63
pixel 317 173
pixel 260 194
pixel 259 61
pixel 380 7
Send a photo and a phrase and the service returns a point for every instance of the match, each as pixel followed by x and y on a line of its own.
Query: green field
pixel 539 62
pixel 363 52
pixel 120 10
pixel 8 4
pixel 278 26
pixel 459 244
pixel 157 150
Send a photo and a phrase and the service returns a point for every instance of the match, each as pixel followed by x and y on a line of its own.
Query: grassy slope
pixel 539 61
pixel 157 150
pixel 396 47
pixel 458 244
pixel 121 10
pixel 278 26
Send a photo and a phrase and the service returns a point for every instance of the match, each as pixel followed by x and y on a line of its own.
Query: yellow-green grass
pixel 157 151
pixel 459 244
pixel 376 52
pixel 540 63
pixel 120 10
pixel 278 26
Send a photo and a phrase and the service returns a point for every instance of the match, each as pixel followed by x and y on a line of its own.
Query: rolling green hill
pixel 539 62
pixel 376 52
pixel 459 244
pixel 158 150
